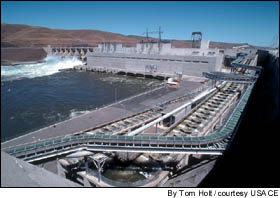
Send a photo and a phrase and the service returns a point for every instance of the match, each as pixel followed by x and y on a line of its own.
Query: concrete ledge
pixel 191 178
pixel 17 173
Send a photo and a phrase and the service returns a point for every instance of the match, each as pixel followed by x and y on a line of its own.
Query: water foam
pixel 51 65
pixel 130 80
pixel 75 113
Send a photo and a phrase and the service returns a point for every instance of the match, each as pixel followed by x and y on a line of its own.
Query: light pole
pixel 123 109
pixel 115 95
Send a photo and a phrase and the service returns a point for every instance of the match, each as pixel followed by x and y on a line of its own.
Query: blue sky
pixel 254 22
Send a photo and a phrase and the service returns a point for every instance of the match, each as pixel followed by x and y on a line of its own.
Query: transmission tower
pixel 196 39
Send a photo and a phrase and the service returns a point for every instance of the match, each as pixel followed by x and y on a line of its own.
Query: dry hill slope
pixel 13 35
pixel 27 36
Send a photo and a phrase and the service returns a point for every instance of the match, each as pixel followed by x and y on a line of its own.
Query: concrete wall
pixel 235 51
pixel 191 178
pixel 204 44
pixel 155 58
pixel 155 48
pixel 159 49
pixel 18 173
pixel 168 64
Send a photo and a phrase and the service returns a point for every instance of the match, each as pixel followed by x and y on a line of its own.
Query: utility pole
pixel 159 37
pixel 115 95
pixel 147 36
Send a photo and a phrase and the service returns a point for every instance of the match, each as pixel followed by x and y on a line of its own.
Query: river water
pixel 37 95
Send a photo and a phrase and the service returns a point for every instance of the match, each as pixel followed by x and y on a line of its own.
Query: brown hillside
pixel 27 36
pixel 13 35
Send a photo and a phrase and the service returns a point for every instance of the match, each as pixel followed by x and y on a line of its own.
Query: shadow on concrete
pixel 252 159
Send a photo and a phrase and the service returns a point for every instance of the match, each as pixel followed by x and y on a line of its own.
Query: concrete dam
pixel 171 136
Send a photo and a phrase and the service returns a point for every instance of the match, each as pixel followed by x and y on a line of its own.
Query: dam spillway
pixel 177 123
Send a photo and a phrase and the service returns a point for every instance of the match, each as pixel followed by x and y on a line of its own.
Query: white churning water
pixel 51 65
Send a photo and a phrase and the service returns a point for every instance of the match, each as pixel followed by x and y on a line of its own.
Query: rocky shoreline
pixel 19 56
